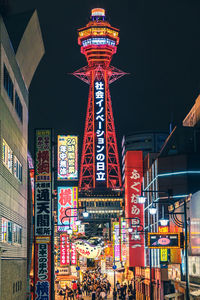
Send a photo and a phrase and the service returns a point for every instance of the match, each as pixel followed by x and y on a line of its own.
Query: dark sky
pixel 159 47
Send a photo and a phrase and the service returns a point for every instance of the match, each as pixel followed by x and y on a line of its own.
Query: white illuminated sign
pixel 99 96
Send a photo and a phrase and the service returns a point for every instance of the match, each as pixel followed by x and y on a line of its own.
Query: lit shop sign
pixel 67 198
pixel 100 145
pixel 63 249
pixel 43 188
pixel 116 241
pixel 133 209
pixel 87 250
pixel 43 271
pixel 98 42
pixel 43 194
pixel 43 155
pixel 159 241
pixel 123 241
pixel 67 157
pixel 73 254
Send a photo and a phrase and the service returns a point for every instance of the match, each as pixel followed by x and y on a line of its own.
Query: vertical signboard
pixel 68 251
pixel 100 140
pixel 73 254
pixel 116 241
pixel 42 270
pixel 63 249
pixel 195 224
pixel 42 213
pixel 134 210
pixel 67 202
pixel 123 241
pixel 67 157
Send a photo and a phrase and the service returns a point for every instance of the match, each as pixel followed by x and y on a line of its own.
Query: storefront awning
pixel 195 293
pixel 171 296
pixel 66 277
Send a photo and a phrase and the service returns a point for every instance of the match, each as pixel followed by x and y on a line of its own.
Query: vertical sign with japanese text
pixel 43 213
pixel 43 188
pixel 42 271
pixel 67 157
pixel 123 240
pixel 116 241
pixel 67 204
pixel 73 254
pixel 100 141
pixel 134 210
pixel 63 249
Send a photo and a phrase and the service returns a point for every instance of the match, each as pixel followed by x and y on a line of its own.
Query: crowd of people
pixel 97 287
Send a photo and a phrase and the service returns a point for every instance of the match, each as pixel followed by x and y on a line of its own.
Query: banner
pixel 63 249
pixel 42 271
pixel 100 141
pixel 67 202
pixel 73 254
pixel 116 241
pixel 134 210
pixel 43 213
pixel 67 157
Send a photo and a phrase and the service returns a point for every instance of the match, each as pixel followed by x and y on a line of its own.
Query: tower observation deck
pixel 100 168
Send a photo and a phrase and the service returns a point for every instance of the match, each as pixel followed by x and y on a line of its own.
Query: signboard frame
pixel 164 235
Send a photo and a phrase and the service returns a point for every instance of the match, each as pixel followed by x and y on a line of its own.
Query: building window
pixel 18 107
pixel 17 234
pixel 6 231
pixel 17 169
pixel 8 84
pixel 7 156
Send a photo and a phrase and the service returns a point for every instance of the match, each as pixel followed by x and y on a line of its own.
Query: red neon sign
pixel 134 210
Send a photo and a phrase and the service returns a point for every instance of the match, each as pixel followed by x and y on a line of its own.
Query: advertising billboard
pixel 159 241
pixel 67 204
pixel 100 140
pixel 116 241
pixel 134 210
pixel 123 240
pixel 43 188
pixel 42 270
pixel 67 157
pixel 195 224
pixel 63 249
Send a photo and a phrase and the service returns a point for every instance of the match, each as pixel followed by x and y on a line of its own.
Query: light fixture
pixel 153 209
pixel 78 222
pixel 85 214
pixel 141 199
pixel 137 235
pixel 123 223
pixel 69 230
pixel 163 222
pixel 130 229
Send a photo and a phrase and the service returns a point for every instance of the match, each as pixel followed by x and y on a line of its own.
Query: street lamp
pixel 85 214
pixel 78 222
pixel 153 209
pixel 69 230
pixel 163 222
pixel 141 199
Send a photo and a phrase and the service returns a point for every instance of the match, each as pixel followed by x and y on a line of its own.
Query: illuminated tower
pixel 100 166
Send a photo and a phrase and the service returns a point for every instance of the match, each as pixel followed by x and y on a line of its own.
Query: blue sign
pixel 114 267
pixel 77 268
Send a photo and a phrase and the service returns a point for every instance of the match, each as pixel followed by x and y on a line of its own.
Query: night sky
pixel 159 47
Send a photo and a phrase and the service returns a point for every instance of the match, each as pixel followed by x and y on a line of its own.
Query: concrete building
pixel 21 49
pixel 175 172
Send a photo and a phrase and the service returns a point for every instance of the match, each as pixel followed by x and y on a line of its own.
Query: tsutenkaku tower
pixel 100 166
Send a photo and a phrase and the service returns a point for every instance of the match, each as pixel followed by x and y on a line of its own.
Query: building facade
pixel 15 76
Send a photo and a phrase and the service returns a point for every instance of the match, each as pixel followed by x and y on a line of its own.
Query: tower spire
pixel 100 166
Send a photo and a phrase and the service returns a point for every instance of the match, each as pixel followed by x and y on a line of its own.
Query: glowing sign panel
pixel 67 199
pixel 100 151
pixel 67 157
pixel 169 240
pixel 98 41
pixel 116 241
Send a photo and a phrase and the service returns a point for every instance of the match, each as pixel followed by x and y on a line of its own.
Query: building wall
pixel 13 193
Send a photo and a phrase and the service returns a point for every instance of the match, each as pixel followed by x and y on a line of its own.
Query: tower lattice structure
pixel 100 167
